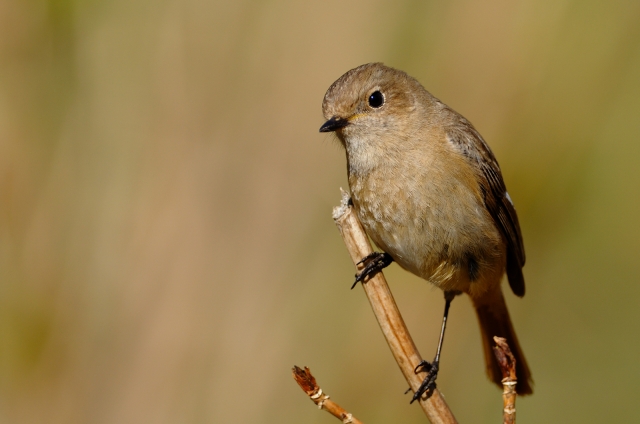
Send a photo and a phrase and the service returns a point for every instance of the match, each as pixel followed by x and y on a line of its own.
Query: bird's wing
pixel 471 144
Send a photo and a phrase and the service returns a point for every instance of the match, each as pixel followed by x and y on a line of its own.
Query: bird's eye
pixel 376 99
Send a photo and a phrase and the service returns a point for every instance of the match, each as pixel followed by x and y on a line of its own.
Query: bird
pixel 429 192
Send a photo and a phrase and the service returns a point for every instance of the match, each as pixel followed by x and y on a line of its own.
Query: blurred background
pixel 167 251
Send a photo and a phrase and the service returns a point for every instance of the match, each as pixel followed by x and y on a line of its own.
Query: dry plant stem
pixel 387 313
pixel 508 367
pixel 308 383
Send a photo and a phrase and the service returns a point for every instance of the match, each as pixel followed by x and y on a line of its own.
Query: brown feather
pixel 494 320
pixel 471 144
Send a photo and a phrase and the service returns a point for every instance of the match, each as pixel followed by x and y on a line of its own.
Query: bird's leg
pixel 374 262
pixel 431 368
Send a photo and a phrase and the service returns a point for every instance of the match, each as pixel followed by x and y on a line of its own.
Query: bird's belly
pixel 430 235
pixel 411 242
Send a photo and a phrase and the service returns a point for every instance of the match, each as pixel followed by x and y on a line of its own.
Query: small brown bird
pixel 430 194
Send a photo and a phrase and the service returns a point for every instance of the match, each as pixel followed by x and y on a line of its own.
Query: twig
pixel 308 383
pixel 387 313
pixel 508 366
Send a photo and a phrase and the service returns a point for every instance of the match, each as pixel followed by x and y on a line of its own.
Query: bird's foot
pixel 373 263
pixel 429 383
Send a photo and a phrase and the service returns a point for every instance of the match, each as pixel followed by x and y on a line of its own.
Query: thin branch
pixel 508 367
pixel 307 382
pixel 387 313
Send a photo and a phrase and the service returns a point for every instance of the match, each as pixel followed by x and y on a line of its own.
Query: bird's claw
pixel 373 263
pixel 429 383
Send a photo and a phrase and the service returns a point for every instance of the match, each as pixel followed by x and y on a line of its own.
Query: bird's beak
pixel 333 124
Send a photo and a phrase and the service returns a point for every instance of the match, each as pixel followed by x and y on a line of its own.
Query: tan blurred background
pixel 167 252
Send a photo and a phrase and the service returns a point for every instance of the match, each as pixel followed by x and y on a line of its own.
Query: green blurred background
pixel 167 251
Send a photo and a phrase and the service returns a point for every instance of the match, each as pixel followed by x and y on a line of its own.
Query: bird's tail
pixel 494 321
